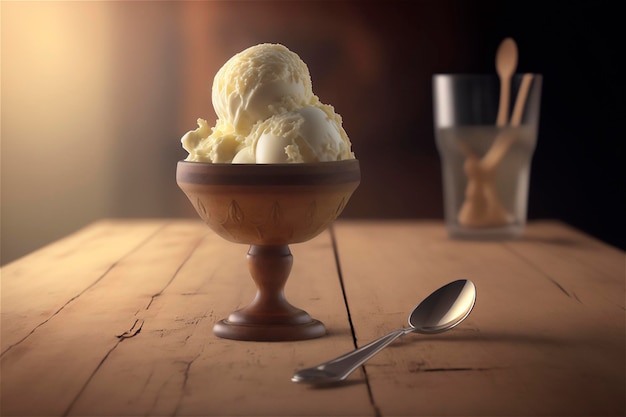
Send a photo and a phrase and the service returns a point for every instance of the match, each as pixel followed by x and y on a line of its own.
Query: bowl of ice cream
pixel 276 169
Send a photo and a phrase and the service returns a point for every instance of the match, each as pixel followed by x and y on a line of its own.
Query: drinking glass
pixel 485 167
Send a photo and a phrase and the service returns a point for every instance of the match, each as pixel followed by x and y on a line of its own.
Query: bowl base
pixel 269 332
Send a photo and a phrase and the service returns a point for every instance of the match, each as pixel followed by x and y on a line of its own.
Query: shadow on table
pixel 341 384
pixel 475 335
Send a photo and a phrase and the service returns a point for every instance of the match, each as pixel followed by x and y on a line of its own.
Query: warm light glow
pixel 56 74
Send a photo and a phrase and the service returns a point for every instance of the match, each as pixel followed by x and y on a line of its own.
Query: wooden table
pixel 116 320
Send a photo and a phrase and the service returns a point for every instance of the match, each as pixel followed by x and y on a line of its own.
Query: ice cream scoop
pixel 267 113
pixel 257 83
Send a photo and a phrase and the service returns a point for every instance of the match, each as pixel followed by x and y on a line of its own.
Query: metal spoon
pixel 506 64
pixel 441 311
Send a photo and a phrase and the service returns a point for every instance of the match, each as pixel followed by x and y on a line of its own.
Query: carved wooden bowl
pixel 269 207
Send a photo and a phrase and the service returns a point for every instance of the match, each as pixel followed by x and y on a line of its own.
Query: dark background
pixel 96 96
pixel 577 170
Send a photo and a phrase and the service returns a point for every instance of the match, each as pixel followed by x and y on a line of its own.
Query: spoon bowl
pixel 441 311
pixel 506 64
pixel 444 309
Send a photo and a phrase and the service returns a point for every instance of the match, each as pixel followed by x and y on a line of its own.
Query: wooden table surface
pixel 117 319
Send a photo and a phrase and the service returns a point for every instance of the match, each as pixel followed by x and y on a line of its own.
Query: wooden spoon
pixel 520 101
pixel 504 140
pixel 506 64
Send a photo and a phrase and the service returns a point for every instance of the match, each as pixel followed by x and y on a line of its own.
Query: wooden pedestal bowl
pixel 269 207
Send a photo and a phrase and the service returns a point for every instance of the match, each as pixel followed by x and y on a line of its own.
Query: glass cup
pixel 485 166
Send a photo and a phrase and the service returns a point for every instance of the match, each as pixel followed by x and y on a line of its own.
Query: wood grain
pixel 117 320
pixel 139 340
pixel 546 335
pixel 39 286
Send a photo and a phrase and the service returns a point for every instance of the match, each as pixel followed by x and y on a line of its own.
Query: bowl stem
pixel 269 317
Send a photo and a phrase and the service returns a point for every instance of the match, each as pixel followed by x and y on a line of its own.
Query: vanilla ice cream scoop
pixel 257 83
pixel 267 113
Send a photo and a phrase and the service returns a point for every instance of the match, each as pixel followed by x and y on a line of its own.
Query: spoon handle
pixel 505 97
pixel 339 368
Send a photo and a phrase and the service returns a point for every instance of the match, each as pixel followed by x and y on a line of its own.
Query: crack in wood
pixel 175 274
pixel 133 331
pixel 84 387
pixel 186 374
pixel 559 286
pixel 195 323
pixel 135 328
pixel 417 367
pixel 184 384
pixel 333 241
pixel 547 276
pixel 74 298
pixel 145 385
pixel 157 396
pixel 453 369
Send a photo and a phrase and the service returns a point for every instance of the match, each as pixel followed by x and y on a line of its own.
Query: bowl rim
pixel 297 174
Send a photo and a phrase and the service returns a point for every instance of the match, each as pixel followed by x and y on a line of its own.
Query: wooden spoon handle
pixel 504 140
pixel 520 101
pixel 505 97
